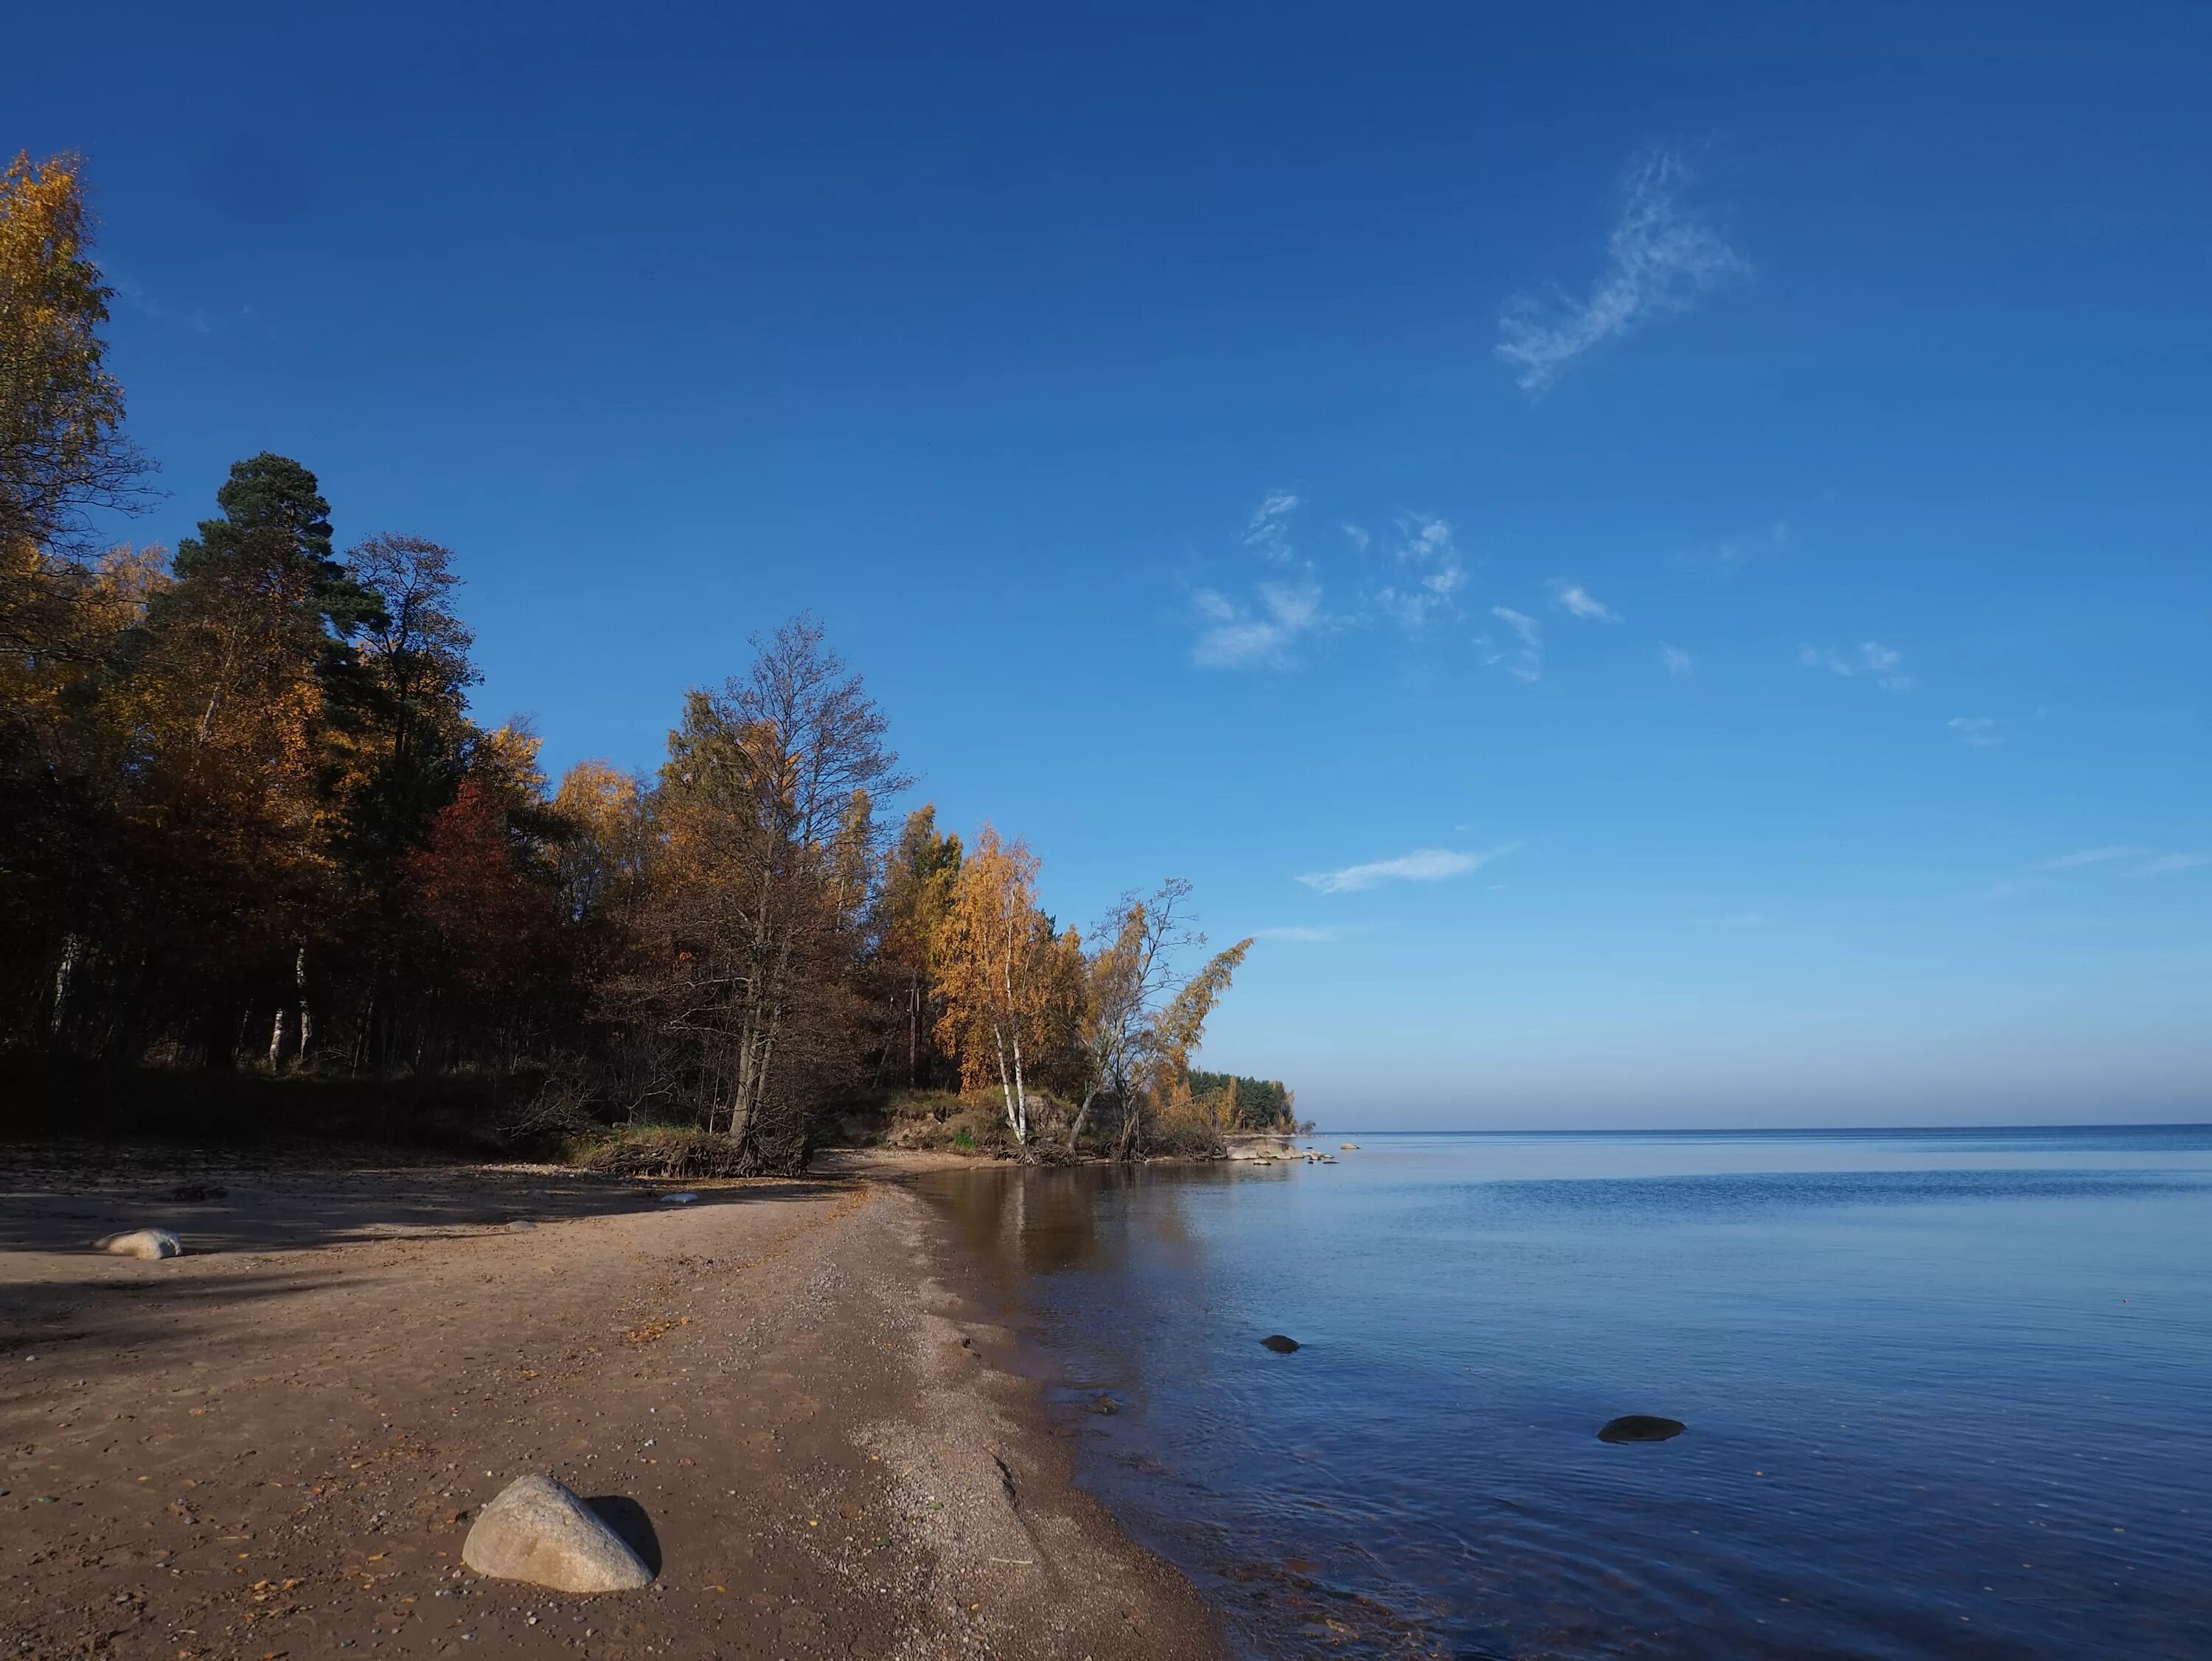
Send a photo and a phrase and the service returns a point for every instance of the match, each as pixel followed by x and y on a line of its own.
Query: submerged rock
pixel 538 1530
pixel 1278 1343
pixel 1640 1428
pixel 147 1243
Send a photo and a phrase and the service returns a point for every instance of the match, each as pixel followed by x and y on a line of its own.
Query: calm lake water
pixel 1948 1393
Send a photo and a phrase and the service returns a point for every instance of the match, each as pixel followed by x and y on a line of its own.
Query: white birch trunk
pixel 1010 1089
pixel 64 972
pixel 307 1015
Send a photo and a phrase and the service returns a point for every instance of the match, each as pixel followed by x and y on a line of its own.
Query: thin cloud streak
pixel 1978 730
pixel 1269 530
pixel 1524 662
pixel 1660 255
pixel 1300 932
pixel 2165 864
pixel 1732 554
pixel 1870 658
pixel 1679 664
pixel 2067 862
pixel 136 297
pixel 1422 865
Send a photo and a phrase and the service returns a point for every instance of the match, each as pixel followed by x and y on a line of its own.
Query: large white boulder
pixel 538 1530
pixel 147 1243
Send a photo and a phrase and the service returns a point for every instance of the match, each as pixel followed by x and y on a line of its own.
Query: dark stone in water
pixel 1640 1428
pixel 1105 1405
pixel 1278 1343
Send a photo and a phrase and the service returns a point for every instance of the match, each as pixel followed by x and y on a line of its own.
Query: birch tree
pixel 62 448
pixel 1125 981
pixel 994 973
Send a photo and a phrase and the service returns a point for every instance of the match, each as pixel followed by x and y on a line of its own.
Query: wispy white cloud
pixel 1979 730
pixel 1522 657
pixel 1578 602
pixel 1679 664
pixel 1239 636
pixel 1661 256
pixel 1870 658
pixel 1426 571
pixel 2067 862
pixel 1261 631
pixel 1269 530
pixel 1422 865
pixel 2166 862
pixel 134 295
pixel 1299 932
pixel 1733 553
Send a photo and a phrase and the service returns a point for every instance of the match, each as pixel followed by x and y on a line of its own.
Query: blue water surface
pixel 1948 1393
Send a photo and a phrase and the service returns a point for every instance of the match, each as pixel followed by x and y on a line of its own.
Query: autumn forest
pixel 252 833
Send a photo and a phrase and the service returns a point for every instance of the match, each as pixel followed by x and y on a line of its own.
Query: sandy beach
pixel 273 1446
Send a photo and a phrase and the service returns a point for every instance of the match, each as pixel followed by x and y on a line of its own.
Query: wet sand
pixel 790 1392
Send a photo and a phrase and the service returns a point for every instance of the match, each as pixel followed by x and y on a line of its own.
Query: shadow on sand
pixel 59 1199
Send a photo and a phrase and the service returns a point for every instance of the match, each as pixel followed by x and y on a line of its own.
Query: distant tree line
pixel 1245 1104
pixel 248 822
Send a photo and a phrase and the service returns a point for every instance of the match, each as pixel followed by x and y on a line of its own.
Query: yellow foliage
pixel 61 412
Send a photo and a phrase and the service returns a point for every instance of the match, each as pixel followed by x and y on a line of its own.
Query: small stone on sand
pixel 147 1243
pixel 538 1530
pixel 1640 1428
pixel 1278 1343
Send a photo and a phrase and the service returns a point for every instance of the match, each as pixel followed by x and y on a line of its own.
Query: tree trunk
pixel 307 1015
pixel 1125 1147
pixel 1010 1087
pixel 219 1035
pixel 64 972
pixel 1081 1113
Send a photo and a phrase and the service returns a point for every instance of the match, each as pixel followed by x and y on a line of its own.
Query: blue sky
pixel 1657 559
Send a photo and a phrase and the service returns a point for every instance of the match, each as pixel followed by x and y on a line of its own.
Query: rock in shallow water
pixel 538 1530
pixel 1640 1428
pixel 1278 1343
pixel 148 1242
